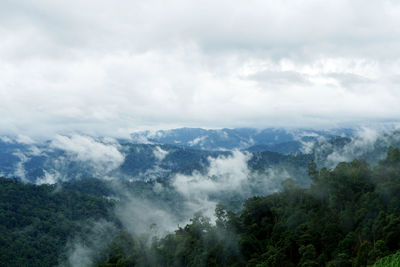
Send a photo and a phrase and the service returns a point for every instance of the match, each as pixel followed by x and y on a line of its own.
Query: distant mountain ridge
pixel 141 161
pixel 163 154
pixel 273 139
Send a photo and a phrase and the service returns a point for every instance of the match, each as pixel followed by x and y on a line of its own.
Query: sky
pixel 114 67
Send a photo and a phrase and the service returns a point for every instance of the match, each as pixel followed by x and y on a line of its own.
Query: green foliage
pixel 36 221
pixel 348 217
pixel 197 244
pixel 389 261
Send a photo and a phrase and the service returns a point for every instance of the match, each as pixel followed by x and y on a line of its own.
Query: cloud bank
pixel 366 143
pixel 105 156
pixel 110 68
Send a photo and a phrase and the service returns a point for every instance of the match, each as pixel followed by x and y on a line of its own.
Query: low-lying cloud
pixel 63 158
pixel 83 250
pixel 160 153
pixel 366 142
pixel 103 156
pixel 226 178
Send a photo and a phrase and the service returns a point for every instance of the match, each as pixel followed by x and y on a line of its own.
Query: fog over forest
pixel 199 133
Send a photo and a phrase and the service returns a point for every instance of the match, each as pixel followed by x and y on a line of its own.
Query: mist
pixel 161 207
pixel 166 200
pixel 83 250
pixel 367 142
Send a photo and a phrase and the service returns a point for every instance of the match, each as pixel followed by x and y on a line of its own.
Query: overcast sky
pixel 112 67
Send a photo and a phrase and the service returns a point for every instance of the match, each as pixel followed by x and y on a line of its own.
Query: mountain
pixel 274 139
pixel 76 157
pixel 168 153
pixel 368 144
pixel 109 199
pixel 139 161
pixel 283 148
pixel 348 217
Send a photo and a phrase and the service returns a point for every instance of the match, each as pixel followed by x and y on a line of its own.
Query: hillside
pixel 36 222
pixel 348 217
pixel 119 203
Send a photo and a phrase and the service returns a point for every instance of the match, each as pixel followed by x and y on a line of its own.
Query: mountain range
pixel 161 154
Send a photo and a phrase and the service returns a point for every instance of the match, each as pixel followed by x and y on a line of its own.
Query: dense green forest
pixel 350 216
pixel 36 222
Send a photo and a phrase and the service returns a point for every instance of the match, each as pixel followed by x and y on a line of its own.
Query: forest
pixel 349 216
pixel 199 133
pixel 36 222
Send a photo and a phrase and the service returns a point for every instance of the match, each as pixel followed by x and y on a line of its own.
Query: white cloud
pixel 132 65
pixel 197 140
pixel 363 142
pixel 366 142
pixel 49 178
pixel 105 157
pixel 83 250
pixel 160 153
pixel 139 216
pixel 25 139
pixel 19 170
pixel 6 139
pixel 225 174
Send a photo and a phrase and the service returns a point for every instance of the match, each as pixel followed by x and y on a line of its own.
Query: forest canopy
pixel 350 216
